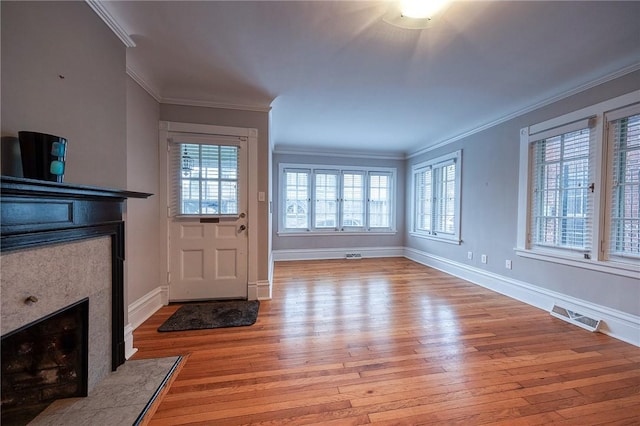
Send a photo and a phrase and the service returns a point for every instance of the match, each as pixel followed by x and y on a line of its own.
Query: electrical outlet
pixel 507 264
pixel 470 255
pixel 483 258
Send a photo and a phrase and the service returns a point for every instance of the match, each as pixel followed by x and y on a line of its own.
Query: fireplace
pixel 44 361
pixel 63 243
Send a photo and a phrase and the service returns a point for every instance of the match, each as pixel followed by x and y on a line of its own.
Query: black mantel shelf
pixel 38 213
pixel 22 186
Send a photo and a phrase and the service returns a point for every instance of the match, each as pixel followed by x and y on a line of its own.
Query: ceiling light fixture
pixel 421 9
pixel 414 14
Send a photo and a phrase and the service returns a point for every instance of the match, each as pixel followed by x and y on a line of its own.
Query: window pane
pixel 229 162
pixel 353 196
pixel 210 197
pixel 326 191
pixel 379 201
pixel 297 199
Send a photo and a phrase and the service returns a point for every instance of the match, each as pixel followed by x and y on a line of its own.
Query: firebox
pixel 44 361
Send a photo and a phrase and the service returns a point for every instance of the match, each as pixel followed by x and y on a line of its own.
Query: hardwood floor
pixel 392 342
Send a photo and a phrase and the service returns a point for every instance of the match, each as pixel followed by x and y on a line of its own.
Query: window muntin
pixel 353 199
pixel 208 179
pixel 436 198
pixel 624 137
pixel 560 210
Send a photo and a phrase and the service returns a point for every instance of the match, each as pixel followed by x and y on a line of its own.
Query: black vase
pixel 43 156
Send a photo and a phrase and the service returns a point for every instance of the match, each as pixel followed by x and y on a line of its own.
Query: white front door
pixel 208 225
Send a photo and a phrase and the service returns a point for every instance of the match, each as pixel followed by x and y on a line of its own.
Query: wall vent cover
pixel 353 256
pixel 575 318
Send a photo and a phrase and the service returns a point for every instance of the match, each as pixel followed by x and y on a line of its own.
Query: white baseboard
pixel 260 290
pixel 129 350
pixel 621 325
pixel 140 310
pixel 336 253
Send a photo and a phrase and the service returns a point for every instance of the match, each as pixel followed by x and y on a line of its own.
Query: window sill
pixel 448 240
pixel 610 267
pixel 332 233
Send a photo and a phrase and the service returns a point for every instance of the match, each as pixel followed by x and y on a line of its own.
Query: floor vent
pixel 575 318
pixel 353 255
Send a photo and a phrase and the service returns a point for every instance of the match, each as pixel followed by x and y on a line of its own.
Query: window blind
pixel 424 199
pixel 204 179
pixel 624 199
pixel 445 198
pixel 562 207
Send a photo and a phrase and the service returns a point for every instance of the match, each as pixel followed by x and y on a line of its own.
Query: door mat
pixel 232 313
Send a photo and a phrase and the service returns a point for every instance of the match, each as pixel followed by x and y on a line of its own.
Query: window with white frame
pixel 325 199
pixel 580 188
pixel 436 198
pixel 561 213
pixel 204 179
pixel 624 184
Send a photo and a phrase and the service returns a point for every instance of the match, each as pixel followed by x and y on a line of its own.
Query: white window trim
pixel 597 261
pixel 454 238
pixel 339 169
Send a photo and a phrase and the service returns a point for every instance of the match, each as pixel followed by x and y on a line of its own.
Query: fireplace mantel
pixel 39 213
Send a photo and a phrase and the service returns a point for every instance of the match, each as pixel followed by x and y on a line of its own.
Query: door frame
pixel 166 130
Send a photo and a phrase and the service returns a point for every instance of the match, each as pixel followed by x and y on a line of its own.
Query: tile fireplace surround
pixel 61 243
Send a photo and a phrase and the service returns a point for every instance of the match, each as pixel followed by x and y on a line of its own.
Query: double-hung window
pixel 624 183
pixel 579 197
pixel 436 198
pixel 562 184
pixel 320 199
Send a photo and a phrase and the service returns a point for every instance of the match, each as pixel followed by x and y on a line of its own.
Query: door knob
pixel 243 227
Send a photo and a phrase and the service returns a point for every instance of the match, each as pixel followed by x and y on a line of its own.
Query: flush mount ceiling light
pixel 414 14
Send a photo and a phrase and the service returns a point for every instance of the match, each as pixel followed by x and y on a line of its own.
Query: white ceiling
pixel 340 78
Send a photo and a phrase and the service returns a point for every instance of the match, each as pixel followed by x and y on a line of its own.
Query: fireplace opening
pixel 44 361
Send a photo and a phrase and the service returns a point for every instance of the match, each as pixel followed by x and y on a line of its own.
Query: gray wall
pixel 490 161
pixel 338 241
pixel 44 40
pixel 143 238
pixel 237 118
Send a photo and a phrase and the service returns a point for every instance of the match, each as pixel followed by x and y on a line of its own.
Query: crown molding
pixel 213 104
pixel 322 152
pixel 155 94
pixel 620 73
pixel 152 91
pixel 111 22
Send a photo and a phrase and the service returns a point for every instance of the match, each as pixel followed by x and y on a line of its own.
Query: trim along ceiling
pixel 338 78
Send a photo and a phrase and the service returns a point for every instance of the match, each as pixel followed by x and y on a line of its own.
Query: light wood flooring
pixel 392 342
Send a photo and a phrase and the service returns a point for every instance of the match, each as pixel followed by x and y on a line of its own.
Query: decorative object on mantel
pixel 43 156
pixel 222 314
